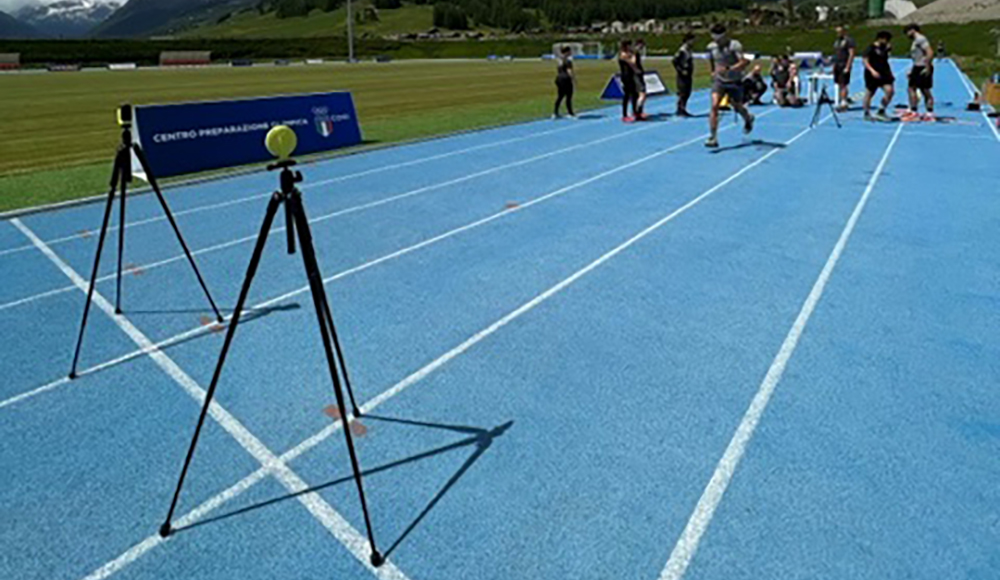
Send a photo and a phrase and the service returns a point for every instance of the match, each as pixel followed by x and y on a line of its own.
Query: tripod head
pixel 125 120
pixel 281 142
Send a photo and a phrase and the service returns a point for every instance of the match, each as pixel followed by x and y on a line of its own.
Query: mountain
pixel 957 11
pixel 67 18
pixel 11 27
pixel 149 17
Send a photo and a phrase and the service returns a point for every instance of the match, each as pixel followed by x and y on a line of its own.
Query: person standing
pixel 754 86
pixel 684 65
pixel 779 79
pixel 878 74
pixel 626 67
pixel 640 80
pixel 844 51
pixel 921 77
pixel 727 62
pixel 565 81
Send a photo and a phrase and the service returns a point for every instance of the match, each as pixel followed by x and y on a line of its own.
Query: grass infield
pixel 60 132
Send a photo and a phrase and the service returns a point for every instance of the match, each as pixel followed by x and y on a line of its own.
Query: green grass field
pixel 60 132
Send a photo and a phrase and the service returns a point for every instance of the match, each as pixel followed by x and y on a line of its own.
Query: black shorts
pixel 733 90
pixel 920 80
pixel 873 84
pixel 841 74
pixel 640 83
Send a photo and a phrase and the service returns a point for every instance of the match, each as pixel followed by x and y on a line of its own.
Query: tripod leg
pixel 290 232
pixel 170 217
pixel 294 205
pixel 272 208
pixel 126 172
pixel 340 355
pixel 836 118
pixel 116 174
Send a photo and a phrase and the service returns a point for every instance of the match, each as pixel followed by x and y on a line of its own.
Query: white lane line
pixel 345 211
pixel 384 168
pixel 698 523
pixel 972 93
pixel 334 523
pixel 342 274
pixel 137 551
pixel 199 330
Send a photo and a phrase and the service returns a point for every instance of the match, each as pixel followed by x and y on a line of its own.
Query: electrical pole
pixel 350 33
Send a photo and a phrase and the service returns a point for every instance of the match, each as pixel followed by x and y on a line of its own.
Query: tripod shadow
pixel 589 116
pixel 247 317
pixel 753 143
pixel 478 438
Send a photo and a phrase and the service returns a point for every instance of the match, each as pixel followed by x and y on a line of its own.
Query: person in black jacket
pixel 684 65
pixel 626 66
pixel 754 86
pixel 565 81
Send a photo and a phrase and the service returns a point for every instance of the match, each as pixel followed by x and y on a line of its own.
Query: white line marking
pixel 149 543
pixel 972 93
pixel 199 330
pixel 384 168
pixel 687 544
pixel 339 527
pixel 341 212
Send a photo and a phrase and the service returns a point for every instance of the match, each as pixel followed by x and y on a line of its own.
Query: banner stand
pixel 615 91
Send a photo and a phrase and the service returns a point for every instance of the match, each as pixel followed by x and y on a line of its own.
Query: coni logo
pixel 323 122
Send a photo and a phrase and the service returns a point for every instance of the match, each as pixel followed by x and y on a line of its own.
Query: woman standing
pixel 626 66
pixel 565 81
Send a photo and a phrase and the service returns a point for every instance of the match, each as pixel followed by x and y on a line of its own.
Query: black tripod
pixel 295 220
pixel 824 99
pixel 121 177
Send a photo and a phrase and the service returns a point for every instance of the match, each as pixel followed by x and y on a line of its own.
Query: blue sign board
pixel 191 137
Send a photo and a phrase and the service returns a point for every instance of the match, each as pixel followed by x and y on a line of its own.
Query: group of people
pixel 879 75
pixel 732 85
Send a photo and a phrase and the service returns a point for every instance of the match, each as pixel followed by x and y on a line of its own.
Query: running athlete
pixel 922 73
pixel 565 81
pixel 878 74
pixel 727 62
pixel 844 51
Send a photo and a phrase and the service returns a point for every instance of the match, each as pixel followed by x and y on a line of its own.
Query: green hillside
pixel 410 18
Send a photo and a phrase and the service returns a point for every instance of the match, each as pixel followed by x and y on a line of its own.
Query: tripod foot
pixel 165 530
pixel 219 318
pixel 377 559
pixel 72 375
pixel 118 310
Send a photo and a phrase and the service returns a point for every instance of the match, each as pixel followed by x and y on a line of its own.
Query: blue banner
pixel 191 137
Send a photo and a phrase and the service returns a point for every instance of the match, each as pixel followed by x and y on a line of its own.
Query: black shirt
pixel 842 50
pixel 878 58
pixel 628 73
pixel 683 62
pixel 565 65
pixel 779 74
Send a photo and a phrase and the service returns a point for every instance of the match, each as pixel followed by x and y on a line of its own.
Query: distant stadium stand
pixel 185 57
pixel 10 61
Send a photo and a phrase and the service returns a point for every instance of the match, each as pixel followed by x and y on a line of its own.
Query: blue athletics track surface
pixel 583 350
